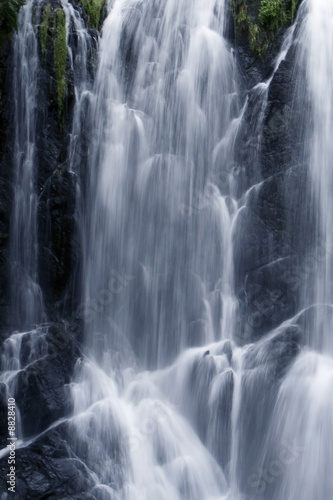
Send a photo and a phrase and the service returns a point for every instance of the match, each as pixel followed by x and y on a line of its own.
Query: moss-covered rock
pixel 53 36
pixel 273 15
pixel 261 20
pixel 60 57
pixel 9 10
pixel 45 27
pixel 94 10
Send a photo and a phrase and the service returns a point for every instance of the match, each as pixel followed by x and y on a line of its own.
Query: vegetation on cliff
pixel 60 57
pixel 94 10
pixel 262 20
pixel 44 28
pixel 53 28
pixel 9 10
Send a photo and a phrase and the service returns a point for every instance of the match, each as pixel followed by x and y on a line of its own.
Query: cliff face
pixel 55 184
pixel 276 230
pixel 8 23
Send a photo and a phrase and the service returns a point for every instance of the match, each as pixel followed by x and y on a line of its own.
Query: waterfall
pixel 158 270
pixel 26 296
pixel 317 49
pixel 170 397
pixel 162 205
pixel 158 267
pixel 79 58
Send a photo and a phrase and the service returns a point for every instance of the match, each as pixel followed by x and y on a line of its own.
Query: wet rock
pixel 284 128
pixel 41 389
pixel 3 415
pixel 275 351
pixel 255 245
pixel 43 397
pixel 70 459
pixel 267 299
pixel 6 156
pixel 59 246
pixel 48 469
pixel 273 242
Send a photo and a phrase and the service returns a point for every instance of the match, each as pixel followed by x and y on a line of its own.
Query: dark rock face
pixel 45 358
pixel 283 143
pixel 269 298
pixel 3 415
pixel 277 232
pixel 54 465
pixel 58 255
pixel 58 259
pixel 6 143
pixel 59 251
pixel 49 469
pixel 276 228
pixel 43 396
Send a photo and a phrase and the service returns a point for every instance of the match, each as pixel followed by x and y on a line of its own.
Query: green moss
pixel 94 9
pixel 60 57
pixel 294 4
pixel 243 16
pixel 9 10
pixel 254 34
pixel 263 25
pixel 244 23
pixel 53 25
pixel 273 14
pixel 44 28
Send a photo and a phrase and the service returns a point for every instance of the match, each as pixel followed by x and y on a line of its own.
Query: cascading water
pixel 82 79
pixel 158 216
pixel 317 50
pixel 26 296
pixel 158 254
